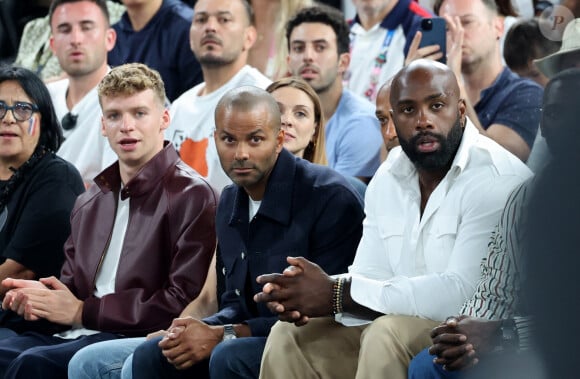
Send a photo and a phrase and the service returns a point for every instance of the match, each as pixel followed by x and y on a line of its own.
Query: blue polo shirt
pixel 307 210
pixel 514 102
pixel 163 44
pixel 353 137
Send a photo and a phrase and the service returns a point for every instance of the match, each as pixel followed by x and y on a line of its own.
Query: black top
pixel 38 213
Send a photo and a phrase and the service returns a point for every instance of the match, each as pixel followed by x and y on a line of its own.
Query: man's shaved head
pixel 422 71
pixel 247 98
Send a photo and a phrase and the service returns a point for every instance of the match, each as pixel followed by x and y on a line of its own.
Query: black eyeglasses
pixel 69 121
pixel 22 111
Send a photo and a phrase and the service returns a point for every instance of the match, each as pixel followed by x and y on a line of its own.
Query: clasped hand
pixel 301 291
pixel 188 341
pixel 47 298
pixel 459 341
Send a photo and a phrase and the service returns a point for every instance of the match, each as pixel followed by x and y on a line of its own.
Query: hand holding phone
pixel 433 32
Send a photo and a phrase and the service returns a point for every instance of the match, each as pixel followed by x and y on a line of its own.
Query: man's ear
pixel 343 62
pixel 103 127
pixel 498 26
pixel 250 37
pixel 280 140
pixel 165 119
pixel 462 108
pixel 51 43
pixel 110 39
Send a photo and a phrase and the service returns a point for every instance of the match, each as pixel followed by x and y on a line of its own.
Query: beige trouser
pixel 329 350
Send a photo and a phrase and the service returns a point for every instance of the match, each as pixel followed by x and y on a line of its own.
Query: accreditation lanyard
pixel 379 62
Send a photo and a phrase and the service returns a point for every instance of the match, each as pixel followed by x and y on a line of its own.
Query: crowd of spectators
pixel 256 188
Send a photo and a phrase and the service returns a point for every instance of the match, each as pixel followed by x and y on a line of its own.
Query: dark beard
pixel 213 61
pixel 439 159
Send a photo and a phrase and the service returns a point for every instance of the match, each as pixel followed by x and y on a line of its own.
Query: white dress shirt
pixel 428 265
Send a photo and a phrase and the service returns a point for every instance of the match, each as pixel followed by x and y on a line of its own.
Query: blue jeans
pixel 237 359
pixel 104 360
pixel 422 367
pixel 34 355
pixel 149 362
pixel 6 333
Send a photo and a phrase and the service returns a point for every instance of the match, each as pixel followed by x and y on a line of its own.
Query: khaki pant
pixel 326 349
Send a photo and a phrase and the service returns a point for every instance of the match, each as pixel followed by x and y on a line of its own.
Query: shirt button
pixel 243 255
pixel 224 271
pixel 237 292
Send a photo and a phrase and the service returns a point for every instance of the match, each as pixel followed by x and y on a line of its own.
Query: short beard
pixel 212 61
pixel 439 159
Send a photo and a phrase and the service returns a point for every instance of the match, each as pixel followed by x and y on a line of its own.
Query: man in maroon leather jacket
pixel 141 239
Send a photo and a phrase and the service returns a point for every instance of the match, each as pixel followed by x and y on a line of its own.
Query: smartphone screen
pixel 434 33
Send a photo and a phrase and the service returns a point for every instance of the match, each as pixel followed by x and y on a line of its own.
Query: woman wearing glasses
pixel 37 188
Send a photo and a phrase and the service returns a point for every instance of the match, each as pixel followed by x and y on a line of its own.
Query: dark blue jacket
pixel 307 210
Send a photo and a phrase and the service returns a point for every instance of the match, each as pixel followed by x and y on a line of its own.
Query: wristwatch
pixel 229 332
pixel 509 335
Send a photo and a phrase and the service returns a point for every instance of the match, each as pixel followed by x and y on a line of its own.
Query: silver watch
pixel 229 332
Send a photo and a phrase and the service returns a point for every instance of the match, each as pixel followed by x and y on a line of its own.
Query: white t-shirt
pixel 84 146
pixel 192 125
pixel 253 207
pixel 105 281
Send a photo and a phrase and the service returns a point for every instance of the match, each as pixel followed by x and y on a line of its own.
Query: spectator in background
pixel 81 37
pixel 381 34
pixel 304 123
pixel 524 43
pixel 302 119
pixel 569 54
pixel 270 49
pixel 508 14
pixel 156 33
pixel 501 105
pixel 318 53
pixel 35 52
pixel 37 188
pixel 567 57
pixel 383 113
pixel 222 49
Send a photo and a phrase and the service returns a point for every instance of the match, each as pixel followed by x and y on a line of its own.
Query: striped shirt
pixel 497 293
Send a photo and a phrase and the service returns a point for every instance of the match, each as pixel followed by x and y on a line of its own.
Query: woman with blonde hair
pixel 270 49
pixel 302 118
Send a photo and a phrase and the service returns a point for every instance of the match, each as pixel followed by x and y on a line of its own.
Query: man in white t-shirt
pixel 381 34
pixel 81 37
pixel 222 33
